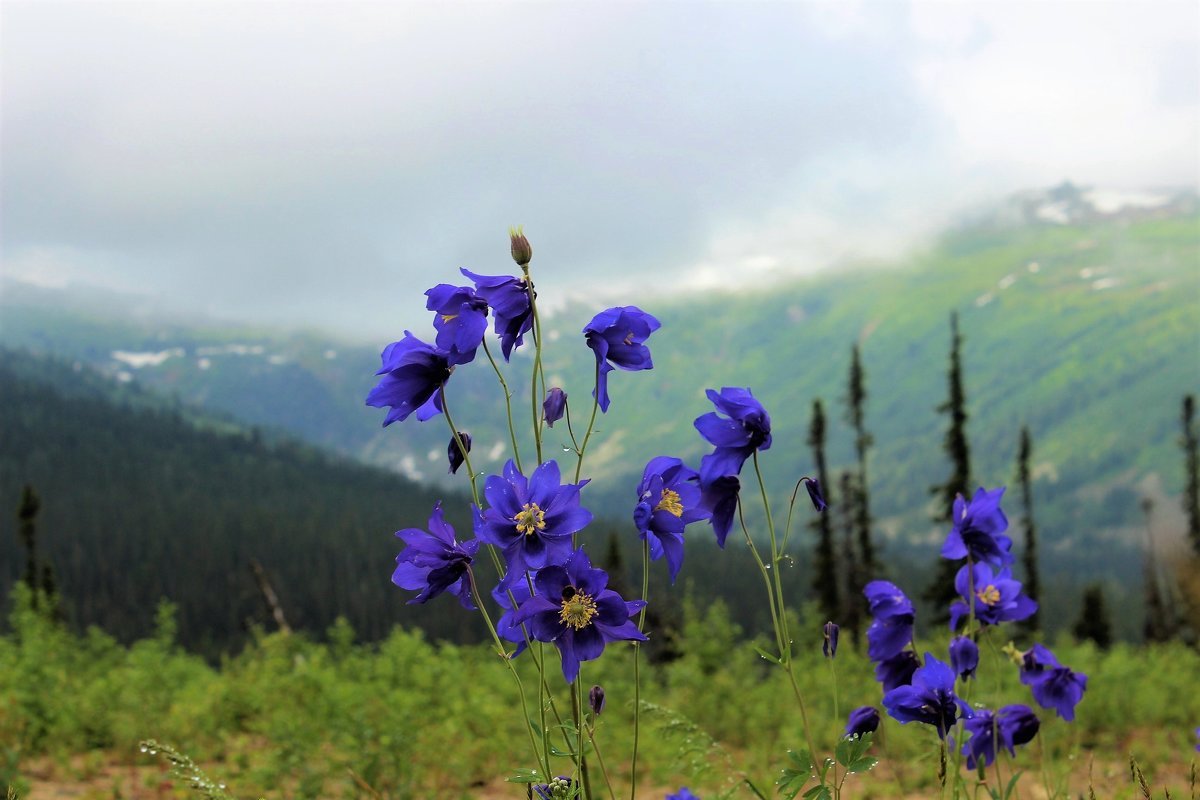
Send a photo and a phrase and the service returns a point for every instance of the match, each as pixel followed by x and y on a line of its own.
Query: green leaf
pixel 862 764
pixel 1012 784
pixel 802 759
pixel 767 656
pixel 842 751
pixel 820 792
pixel 523 775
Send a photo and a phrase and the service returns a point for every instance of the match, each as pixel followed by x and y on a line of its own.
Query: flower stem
pixel 534 394
pixel 461 445
pixel 637 677
pixel 512 431
pixel 591 425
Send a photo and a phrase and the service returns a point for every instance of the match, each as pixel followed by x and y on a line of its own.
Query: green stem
pixel 512 431
pixel 461 445
pixel 591 425
pixel 577 705
pixel 637 676
pixel 600 759
pixel 537 364
pixel 766 576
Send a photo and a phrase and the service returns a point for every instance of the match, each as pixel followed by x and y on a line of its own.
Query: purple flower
pixel 596 699
pixel 434 562
pixel 862 721
pixel 719 499
pixel 897 670
pixel 998 597
pixel 574 608
pixel 559 788
pixel 978 530
pixel 553 406
pixel 668 501
pixel 530 519
pixel 746 427
pixel 814 493
pixel 510 598
pixel 412 374
pixel 929 699
pixel 617 336
pixel 684 793
pixel 455 454
pixel 1053 685
pixel 829 645
pixel 1010 726
pixel 892 629
pixel 508 298
pixel 964 656
pixel 461 321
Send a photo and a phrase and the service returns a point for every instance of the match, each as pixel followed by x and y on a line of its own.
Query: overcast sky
pixel 325 163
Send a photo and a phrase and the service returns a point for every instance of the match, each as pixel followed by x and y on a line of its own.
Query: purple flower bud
pixel 552 408
pixel 814 493
pixel 596 699
pixel 964 656
pixel 862 720
pixel 457 456
pixel 829 646
pixel 519 246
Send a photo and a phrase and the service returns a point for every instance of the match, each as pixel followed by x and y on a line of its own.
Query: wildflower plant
pixel 531 522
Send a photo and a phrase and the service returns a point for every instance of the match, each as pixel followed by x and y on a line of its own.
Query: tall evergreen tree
pixel 27 513
pixel 825 567
pixel 1093 620
pixel 941 591
pixel 1029 554
pixel 1191 492
pixel 1157 626
pixel 856 401
pixel 854 605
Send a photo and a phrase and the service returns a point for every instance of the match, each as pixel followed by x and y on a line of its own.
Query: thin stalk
pixel 787 528
pixel 536 330
pixel 637 675
pixel 600 759
pixel 577 713
pixel 591 425
pixel 512 431
pixel 461 445
pixel 766 576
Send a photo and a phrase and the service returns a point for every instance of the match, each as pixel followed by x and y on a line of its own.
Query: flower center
pixel 530 519
pixel 628 338
pixel 989 596
pixel 448 317
pixel 577 609
pixel 670 503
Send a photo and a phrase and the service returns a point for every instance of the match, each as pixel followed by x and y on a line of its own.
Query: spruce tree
pixel 1093 620
pixel 854 605
pixel 1157 626
pixel 825 568
pixel 27 513
pixel 1191 491
pixel 941 592
pixel 1029 555
pixel 856 401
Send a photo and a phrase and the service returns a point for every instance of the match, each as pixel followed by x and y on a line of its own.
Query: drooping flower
pixel 814 493
pixel 1008 727
pixel 978 530
pixel 434 561
pixel 1053 685
pixel 617 336
pixel 668 501
pixel 553 406
pixel 530 519
pixel 596 699
pixel 684 793
pixel 746 427
pixel 455 454
pixel 862 720
pixel 929 699
pixel 892 628
pixel 559 788
pixel 413 372
pixel 997 596
pixel 460 321
pixel 830 643
pixel 574 608
pixel 897 670
pixel 719 498
pixel 508 297
pixel 964 656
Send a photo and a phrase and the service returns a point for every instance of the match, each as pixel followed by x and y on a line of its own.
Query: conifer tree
pixel 1029 554
pixel 825 568
pixel 941 592
pixel 854 604
pixel 1093 620
pixel 856 401
pixel 1156 626
pixel 1191 492
pixel 27 513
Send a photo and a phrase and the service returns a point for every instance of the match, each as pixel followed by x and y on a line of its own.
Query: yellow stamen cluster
pixel 577 610
pixel 530 519
pixel 670 503
pixel 989 596
pixel 628 338
pixel 448 317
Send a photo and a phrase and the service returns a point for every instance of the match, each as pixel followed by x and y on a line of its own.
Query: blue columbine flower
pixel 508 298
pixel 829 645
pixel 897 670
pixel 998 596
pixel 964 656
pixel 1053 685
pixel 862 721
pixel 719 499
pixel 575 609
pixel 814 493
pixel 511 598
pixel 460 321
pixel 746 427
pixel 617 336
pixel 1009 727
pixel 553 406
pixel 684 793
pixel 434 562
pixel 413 372
pixel 893 614
pixel 930 698
pixel 978 530
pixel 668 501
pixel 530 519
pixel 455 454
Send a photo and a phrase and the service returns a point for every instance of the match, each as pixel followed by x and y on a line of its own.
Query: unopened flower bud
pixel 522 252
pixel 829 646
pixel 456 455
pixel 552 408
pixel 596 699
pixel 862 721
pixel 814 493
